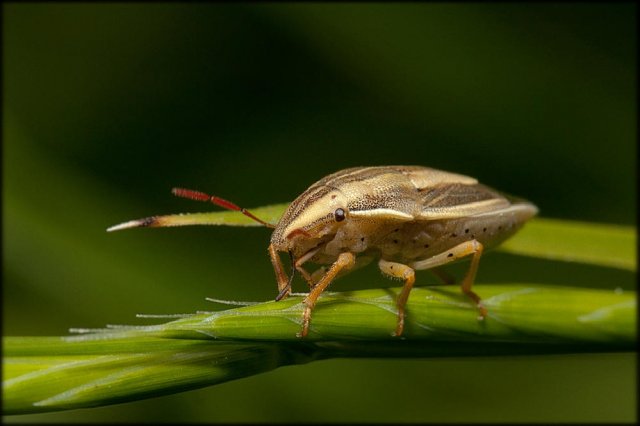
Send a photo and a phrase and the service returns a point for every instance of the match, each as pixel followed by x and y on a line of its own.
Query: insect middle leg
pixel 399 270
pixel 468 248
pixel 345 261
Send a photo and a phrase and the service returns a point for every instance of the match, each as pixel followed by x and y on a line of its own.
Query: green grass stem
pixel 126 363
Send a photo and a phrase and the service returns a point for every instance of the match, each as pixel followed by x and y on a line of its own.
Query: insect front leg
pixel 281 276
pixel 306 275
pixel 399 270
pixel 345 261
pixel 310 279
pixel 473 248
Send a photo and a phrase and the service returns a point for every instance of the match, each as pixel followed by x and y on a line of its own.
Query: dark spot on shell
pixel 466 231
pixel 395 241
pixel 484 229
pixel 454 235
pixel 362 239
pixel 392 267
pixel 396 230
pixel 426 246
pixel 450 255
pixel 473 236
pixel 333 196
pixel 499 227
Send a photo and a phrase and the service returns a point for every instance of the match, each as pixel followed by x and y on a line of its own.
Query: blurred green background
pixel 106 107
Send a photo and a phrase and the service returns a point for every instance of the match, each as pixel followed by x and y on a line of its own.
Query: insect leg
pixel 399 270
pixel 298 265
pixel 468 280
pixel 472 247
pixel 306 275
pixel 281 276
pixel 360 262
pixel 317 275
pixel 345 261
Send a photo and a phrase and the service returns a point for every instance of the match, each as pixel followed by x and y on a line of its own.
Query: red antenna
pixel 201 196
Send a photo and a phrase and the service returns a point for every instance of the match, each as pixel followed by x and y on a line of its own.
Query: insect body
pixel 407 217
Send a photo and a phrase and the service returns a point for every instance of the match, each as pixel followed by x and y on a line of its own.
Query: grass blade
pixel 569 241
pixel 53 373
pixel 563 240
pixel 56 373
pixel 517 313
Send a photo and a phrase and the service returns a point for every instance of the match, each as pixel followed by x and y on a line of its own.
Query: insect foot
pixel 482 310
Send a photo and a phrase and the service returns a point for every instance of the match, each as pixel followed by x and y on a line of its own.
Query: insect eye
pixel 339 215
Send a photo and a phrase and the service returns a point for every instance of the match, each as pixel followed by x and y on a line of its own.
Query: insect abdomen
pixel 423 239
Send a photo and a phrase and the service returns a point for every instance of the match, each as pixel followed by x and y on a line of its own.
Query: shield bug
pixel 407 217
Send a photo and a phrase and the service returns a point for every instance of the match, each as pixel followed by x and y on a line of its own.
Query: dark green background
pixel 108 106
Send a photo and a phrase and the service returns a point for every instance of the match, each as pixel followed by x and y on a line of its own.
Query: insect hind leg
pixel 468 248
